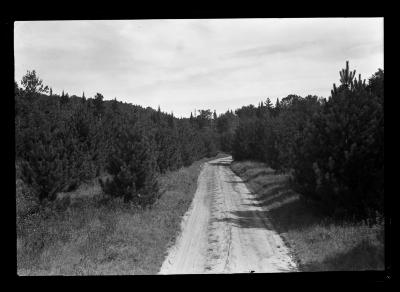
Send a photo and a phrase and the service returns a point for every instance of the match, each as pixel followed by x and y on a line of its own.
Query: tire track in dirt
pixel 223 233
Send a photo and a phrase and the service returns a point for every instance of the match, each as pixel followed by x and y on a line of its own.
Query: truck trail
pixel 222 232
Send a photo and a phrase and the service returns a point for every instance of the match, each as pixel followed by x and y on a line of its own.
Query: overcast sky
pixel 183 65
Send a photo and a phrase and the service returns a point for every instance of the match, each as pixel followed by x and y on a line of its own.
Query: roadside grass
pixel 86 233
pixel 316 242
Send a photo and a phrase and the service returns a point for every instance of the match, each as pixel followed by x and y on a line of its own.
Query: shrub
pixel 132 166
pixel 343 154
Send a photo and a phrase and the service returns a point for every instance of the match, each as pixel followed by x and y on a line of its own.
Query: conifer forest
pixel 332 147
pixel 200 146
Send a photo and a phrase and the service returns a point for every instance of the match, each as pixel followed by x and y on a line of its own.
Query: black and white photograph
pixel 199 146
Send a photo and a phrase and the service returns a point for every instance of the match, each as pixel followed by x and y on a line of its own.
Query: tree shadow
pixel 281 207
pixel 247 219
pixel 279 204
pixel 220 163
pixel 263 185
pixel 269 190
pixel 281 218
pixel 262 188
pixel 257 174
pixel 235 181
pixel 283 210
pixel 276 195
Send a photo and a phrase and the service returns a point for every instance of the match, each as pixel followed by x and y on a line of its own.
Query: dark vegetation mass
pixel 332 148
pixel 62 141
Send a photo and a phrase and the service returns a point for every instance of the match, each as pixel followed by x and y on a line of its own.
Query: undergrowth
pixel 87 233
pixel 317 242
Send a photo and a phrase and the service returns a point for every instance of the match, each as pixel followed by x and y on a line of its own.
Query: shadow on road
pixel 278 201
pixel 235 181
pixel 280 208
pixel 247 219
pixel 254 176
pixel 284 210
pixel 221 163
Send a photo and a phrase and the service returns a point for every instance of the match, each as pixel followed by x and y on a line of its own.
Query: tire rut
pixel 223 233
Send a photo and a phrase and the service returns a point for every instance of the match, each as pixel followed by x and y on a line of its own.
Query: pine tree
pixel 342 162
pixel 277 107
pixel 268 104
pixel 32 84
pixel 98 105
pixel 346 76
pixel 133 167
pixel 114 106
pixel 64 98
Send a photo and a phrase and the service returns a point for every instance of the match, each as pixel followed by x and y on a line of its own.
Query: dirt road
pixel 223 232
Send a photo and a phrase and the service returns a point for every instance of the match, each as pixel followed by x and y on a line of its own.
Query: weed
pixel 89 234
pixel 317 242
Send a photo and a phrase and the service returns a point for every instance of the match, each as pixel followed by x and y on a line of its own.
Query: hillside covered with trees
pixel 64 140
pixel 333 148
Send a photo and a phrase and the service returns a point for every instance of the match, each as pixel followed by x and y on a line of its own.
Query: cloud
pixel 182 63
pixel 283 48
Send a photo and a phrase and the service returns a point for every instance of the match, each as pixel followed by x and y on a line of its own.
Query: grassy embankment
pixel 317 243
pixel 88 234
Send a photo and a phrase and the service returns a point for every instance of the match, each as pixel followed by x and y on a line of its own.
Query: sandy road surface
pixel 222 232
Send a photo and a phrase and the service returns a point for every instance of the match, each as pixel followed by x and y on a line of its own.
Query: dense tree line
pixel 62 140
pixel 333 148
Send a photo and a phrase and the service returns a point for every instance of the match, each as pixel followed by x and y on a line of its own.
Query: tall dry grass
pixel 85 233
pixel 316 242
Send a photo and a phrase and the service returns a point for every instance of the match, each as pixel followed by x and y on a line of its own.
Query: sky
pixel 182 65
